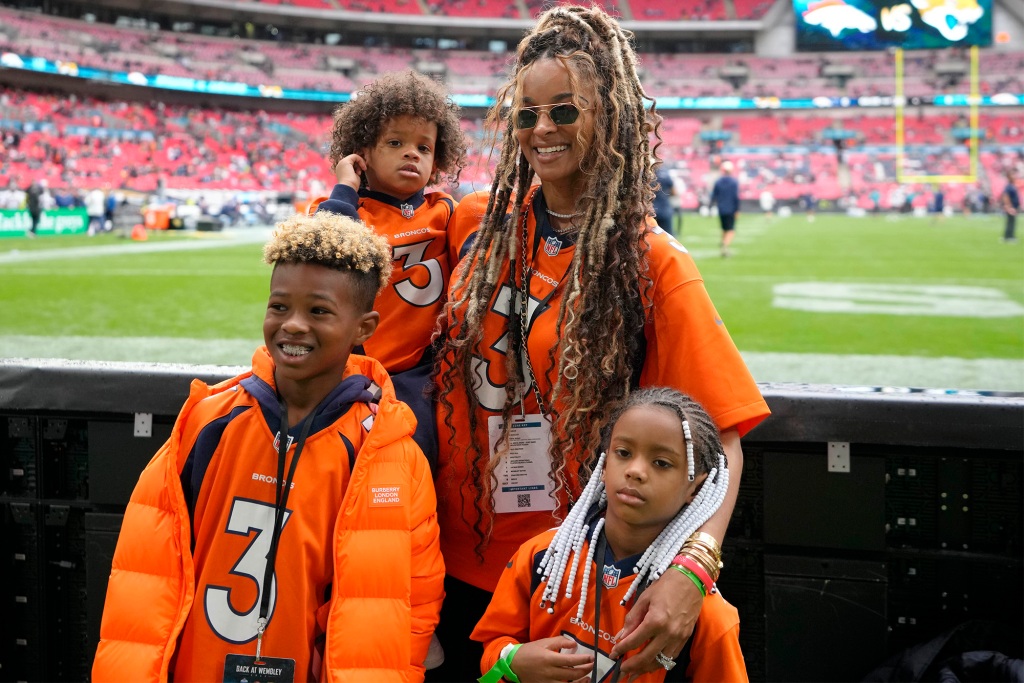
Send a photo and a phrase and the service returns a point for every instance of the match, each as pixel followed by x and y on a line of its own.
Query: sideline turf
pixel 958 251
pixel 136 303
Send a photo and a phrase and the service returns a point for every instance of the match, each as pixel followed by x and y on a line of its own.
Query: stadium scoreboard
pixel 828 25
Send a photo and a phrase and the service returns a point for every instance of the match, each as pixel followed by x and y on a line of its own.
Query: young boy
pixel 247 556
pixel 662 476
pixel 401 134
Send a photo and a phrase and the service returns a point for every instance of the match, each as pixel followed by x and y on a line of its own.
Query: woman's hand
pixel 541 661
pixel 349 171
pixel 663 618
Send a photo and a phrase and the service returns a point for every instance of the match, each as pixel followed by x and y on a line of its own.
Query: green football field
pixel 873 301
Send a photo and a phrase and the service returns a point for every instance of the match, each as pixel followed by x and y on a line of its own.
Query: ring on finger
pixel 665 661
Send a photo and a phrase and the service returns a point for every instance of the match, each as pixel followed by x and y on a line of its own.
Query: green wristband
pixel 502 669
pixel 692 577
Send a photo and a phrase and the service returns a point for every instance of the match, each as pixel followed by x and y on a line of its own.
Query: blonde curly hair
pixel 336 242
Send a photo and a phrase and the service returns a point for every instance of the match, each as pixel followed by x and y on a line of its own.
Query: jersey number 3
pixel 411 255
pixel 247 516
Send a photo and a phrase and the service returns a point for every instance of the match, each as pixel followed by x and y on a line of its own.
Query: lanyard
pixel 280 506
pixel 599 555
pixel 599 552
pixel 519 334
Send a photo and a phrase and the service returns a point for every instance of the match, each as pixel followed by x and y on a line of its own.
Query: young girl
pixel 561 601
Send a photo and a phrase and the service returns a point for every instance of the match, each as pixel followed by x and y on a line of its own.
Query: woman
pixel 567 298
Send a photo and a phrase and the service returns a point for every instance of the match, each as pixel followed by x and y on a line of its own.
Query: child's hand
pixel 349 171
pixel 542 662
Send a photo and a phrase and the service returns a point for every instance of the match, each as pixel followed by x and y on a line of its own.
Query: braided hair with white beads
pixel 704 454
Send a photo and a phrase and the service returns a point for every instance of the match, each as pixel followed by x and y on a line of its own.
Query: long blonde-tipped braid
pixel 578 430
pixel 596 226
pixel 579 423
pixel 474 289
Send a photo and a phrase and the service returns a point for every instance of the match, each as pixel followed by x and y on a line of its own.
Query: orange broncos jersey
pixel 688 348
pixel 515 616
pixel 229 481
pixel 189 562
pixel 417 230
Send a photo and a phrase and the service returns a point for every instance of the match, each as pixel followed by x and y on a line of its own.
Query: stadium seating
pixel 751 9
pixel 640 10
pixel 674 10
pixel 83 143
pixel 381 6
pixel 309 66
pixel 139 147
pixel 474 8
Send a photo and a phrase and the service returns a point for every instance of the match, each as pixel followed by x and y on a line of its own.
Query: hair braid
pixel 602 313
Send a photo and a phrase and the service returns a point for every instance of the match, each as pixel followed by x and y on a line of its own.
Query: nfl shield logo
pixel 611 576
pixel 407 211
pixel 552 245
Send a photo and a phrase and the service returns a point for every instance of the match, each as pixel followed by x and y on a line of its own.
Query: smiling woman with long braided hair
pixel 567 297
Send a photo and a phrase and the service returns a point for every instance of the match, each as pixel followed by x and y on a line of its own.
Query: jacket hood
pixel 365 379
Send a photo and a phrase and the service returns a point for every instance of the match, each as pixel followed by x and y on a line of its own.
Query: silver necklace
pixel 571 228
pixel 563 215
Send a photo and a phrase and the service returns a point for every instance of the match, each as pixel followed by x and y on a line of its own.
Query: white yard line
pixel 992 374
pixel 217 240
pixel 141 349
pixel 995 374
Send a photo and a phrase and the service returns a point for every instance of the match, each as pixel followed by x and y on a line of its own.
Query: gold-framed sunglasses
pixel 560 114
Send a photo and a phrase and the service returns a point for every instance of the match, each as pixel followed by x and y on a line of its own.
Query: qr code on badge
pixel 524 500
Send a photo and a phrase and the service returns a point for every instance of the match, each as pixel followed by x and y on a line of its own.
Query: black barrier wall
pixel 868 520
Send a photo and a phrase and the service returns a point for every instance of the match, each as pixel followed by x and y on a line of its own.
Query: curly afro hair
pixel 359 123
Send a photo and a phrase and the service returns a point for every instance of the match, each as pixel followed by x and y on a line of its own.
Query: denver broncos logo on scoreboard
pixel 881 24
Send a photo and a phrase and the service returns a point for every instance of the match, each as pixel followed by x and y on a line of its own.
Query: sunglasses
pixel 560 115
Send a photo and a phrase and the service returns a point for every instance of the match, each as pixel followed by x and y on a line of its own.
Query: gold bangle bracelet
pixel 702 551
pixel 708 540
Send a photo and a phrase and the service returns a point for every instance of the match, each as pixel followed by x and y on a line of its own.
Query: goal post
pixel 973 141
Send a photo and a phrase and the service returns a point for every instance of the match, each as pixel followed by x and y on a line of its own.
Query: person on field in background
pixel 290 518
pixel 95 205
pixel 664 211
pixel 567 299
pixel 399 136
pixel 1010 200
pixel 937 208
pixel 726 196
pixel 34 202
pixel 109 209
pixel 12 198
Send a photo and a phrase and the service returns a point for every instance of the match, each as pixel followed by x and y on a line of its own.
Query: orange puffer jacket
pixel 393 581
